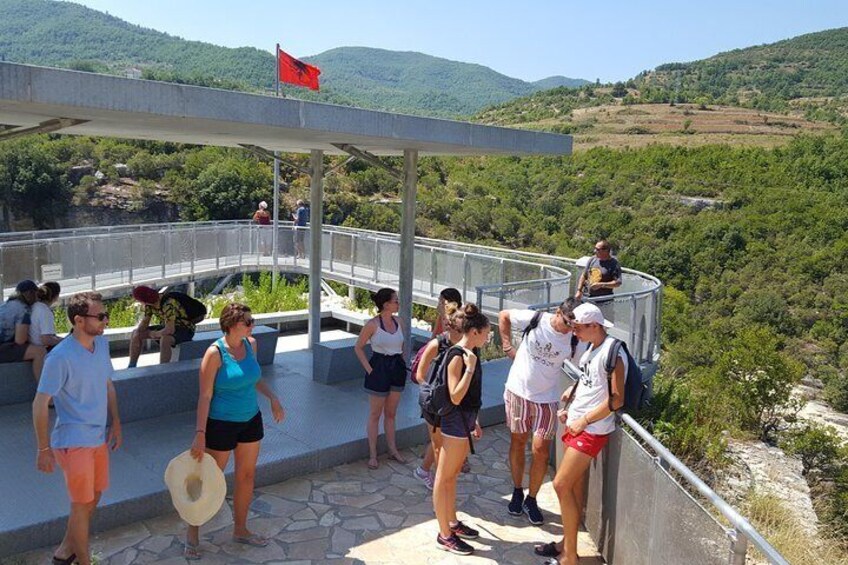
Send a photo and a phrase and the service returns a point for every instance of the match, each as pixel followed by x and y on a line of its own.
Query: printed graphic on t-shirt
pixel 544 353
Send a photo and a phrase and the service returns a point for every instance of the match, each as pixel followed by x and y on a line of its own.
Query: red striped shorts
pixel 523 416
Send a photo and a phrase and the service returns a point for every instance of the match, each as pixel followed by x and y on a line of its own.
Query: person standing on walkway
pixel 15 321
pixel 228 416
pixel 301 219
pixel 452 325
pixel 78 378
pixel 589 421
pixel 464 379
pixel 263 218
pixel 385 371
pixel 601 275
pixel 532 394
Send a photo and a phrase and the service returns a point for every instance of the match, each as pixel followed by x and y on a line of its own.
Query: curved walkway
pixel 113 259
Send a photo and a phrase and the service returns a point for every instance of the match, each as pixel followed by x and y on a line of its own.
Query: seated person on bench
pixel 174 325
pixel 14 329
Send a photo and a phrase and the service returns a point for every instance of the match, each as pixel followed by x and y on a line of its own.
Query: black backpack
pixel 433 395
pixel 194 309
pixel 635 391
pixel 534 323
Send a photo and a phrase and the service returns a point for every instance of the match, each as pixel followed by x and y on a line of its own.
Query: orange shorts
pixel 86 471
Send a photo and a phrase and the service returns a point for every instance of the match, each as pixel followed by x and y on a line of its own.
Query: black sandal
pixel 547 549
pixel 66 561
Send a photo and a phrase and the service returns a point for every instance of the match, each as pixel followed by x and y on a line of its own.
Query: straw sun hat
pixel 197 488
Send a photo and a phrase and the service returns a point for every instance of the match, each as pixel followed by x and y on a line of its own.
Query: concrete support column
pixel 275 251
pixel 316 226
pixel 192 289
pixel 407 244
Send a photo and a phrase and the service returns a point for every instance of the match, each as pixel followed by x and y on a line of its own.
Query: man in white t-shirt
pixel 589 419
pixel 532 394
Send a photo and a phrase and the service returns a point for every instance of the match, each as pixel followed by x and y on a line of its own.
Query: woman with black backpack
pixel 462 399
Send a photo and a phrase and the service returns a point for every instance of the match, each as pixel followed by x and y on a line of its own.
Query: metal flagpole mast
pixel 275 236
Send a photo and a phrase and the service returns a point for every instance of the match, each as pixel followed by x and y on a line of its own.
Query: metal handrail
pixel 742 531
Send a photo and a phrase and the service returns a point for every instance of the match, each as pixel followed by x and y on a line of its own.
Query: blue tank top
pixel 234 395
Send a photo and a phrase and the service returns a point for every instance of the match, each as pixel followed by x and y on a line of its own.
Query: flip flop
pixel 252 540
pixel 546 549
pixel 398 457
pixel 66 561
pixel 373 464
pixel 191 552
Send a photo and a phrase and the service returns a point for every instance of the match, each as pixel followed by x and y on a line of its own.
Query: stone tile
pixel 342 487
pixel 390 520
pixel 342 540
pixel 317 532
pixel 156 544
pixel 364 523
pixel 305 514
pixel 329 519
pixel 294 489
pixel 302 525
pixel 119 539
pixel 272 552
pixel 125 557
pixel 277 506
pixel 360 501
pixel 316 549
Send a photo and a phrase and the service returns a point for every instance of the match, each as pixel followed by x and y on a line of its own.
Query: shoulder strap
pixel 380 319
pixel 574 342
pixel 219 345
pixel 609 366
pixel 534 323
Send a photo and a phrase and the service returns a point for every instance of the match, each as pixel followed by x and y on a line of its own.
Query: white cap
pixel 263 204
pixel 590 314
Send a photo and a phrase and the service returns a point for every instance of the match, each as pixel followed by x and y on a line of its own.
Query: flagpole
pixel 275 235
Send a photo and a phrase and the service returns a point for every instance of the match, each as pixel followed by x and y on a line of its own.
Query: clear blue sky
pixel 533 39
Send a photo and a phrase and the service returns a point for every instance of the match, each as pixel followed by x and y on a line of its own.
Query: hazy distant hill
pixel 54 33
pixel 557 81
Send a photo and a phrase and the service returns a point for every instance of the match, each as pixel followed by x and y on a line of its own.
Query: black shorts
pixel 12 352
pixel 459 423
pixel 388 374
pixel 222 435
pixel 181 335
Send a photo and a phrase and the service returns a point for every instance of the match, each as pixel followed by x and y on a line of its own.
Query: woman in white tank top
pixel 385 371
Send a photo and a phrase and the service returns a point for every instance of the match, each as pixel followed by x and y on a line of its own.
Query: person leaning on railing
pixel 589 418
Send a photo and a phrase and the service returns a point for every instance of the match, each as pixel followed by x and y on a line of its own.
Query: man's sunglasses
pixel 249 322
pixel 100 317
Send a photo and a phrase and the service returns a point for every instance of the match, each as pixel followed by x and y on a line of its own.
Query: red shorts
pixel 584 442
pixel 86 471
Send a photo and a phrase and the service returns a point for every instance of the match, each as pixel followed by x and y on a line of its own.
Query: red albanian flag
pixel 297 72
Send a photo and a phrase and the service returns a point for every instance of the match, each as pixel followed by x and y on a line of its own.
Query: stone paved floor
pixel 350 514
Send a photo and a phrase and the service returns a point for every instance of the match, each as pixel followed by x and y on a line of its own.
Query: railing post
pixel 353 240
pixel 166 241
pixel 376 258
pixel 93 263
pixel 217 249
pixel 193 248
pixel 432 271
pixel 332 252
pixel 632 339
pixel 465 274
pixel 2 279
pixel 738 547
pixel 238 244
pixel 130 273
pixel 503 282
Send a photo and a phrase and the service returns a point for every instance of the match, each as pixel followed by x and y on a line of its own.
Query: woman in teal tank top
pixel 228 416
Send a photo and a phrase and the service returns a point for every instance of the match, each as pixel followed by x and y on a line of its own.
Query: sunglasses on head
pixel 100 317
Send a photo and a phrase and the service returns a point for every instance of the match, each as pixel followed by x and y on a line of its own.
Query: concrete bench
pixel 266 340
pixel 336 361
pixel 16 383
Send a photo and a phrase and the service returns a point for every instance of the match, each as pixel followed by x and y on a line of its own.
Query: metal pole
pixel 316 225
pixel 274 237
pixel 738 548
pixel 407 245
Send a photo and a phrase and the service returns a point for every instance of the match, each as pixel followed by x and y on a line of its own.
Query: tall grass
pixel 781 527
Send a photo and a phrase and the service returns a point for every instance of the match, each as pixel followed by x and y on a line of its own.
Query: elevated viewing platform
pixel 642 505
